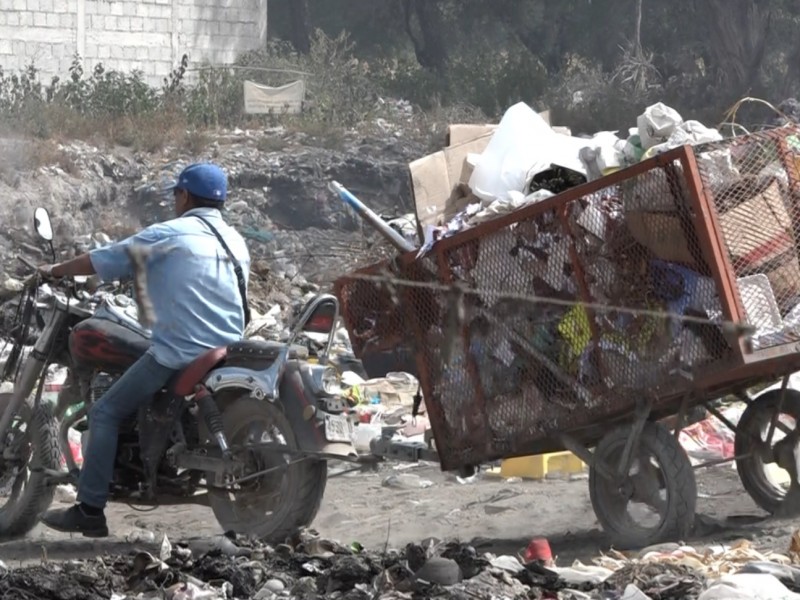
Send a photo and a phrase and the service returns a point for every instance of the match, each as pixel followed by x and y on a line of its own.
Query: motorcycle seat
pixel 196 371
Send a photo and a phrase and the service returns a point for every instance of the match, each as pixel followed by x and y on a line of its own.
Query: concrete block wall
pixel 148 35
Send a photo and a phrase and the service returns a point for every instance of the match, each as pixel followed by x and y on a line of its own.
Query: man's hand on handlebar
pixel 46 272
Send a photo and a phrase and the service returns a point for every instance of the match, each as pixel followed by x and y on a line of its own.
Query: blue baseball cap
pixel 204 180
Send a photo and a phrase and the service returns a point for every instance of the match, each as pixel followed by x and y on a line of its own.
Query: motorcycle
pixel 246 429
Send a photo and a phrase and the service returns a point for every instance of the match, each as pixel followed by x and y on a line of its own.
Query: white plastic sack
pixel 748 586
pixel 657 124
pixel 523 145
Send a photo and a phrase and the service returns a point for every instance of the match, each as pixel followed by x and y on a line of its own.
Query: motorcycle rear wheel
pixel 23 483
pixel 275 506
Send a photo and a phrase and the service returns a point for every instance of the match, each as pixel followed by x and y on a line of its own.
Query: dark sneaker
pixel 74 520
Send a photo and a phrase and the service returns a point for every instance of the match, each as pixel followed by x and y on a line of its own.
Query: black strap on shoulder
pixel 237 268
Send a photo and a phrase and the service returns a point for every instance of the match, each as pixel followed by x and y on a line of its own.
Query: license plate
pixel 338 428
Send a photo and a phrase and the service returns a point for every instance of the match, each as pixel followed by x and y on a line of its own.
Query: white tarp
pixel 262 99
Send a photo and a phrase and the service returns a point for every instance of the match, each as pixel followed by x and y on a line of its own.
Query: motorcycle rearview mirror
pixel 44 228
pixel 42 224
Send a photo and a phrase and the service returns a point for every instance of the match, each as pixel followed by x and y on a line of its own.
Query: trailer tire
pixel 675 476
pixel 758 414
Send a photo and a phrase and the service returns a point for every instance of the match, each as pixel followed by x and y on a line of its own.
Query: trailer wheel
pixel 764 485
pixel 655 502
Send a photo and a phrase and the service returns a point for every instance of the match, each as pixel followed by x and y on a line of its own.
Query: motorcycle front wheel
pixel 32 446
pixel 274 506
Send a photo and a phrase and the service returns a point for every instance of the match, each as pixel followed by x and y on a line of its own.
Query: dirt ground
pixel 391 507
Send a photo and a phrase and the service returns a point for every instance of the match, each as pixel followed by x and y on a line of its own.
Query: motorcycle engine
pixel 100 384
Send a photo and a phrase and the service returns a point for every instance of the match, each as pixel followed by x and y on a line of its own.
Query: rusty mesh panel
pixel 386 305
pixel 754 185
pixel 573 314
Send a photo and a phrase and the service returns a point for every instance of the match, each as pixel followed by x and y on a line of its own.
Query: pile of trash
pixel 310 567
pixel 394 401
pixel 524 160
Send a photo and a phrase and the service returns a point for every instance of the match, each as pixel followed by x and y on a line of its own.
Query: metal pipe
pixel 394 238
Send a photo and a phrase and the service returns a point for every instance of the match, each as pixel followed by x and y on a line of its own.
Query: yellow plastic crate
pixel 542 465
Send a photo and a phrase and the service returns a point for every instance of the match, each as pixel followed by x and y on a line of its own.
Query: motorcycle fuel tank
pixel 108 342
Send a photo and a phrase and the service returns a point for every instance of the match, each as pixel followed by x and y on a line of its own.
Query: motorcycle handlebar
pixel 27 263
pixel 35 279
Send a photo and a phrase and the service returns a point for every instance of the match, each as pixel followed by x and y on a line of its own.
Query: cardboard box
pixel 434 177
pixel 760 239
pixel 757 229
pixel 461 134
pixel 662 233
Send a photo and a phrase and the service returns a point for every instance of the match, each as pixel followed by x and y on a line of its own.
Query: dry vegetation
pixel 109 108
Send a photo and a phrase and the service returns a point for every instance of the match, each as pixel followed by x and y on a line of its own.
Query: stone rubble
pixel 300 235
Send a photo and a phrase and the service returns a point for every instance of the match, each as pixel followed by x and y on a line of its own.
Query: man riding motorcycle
pixel 197 269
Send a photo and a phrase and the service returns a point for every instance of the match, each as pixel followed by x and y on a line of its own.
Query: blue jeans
pixel 134 389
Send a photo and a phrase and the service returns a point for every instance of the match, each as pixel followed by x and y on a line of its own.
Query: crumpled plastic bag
pixel 523 144
pixel 719 167
pixel 657 124
pixel 487 211
pixel 691 133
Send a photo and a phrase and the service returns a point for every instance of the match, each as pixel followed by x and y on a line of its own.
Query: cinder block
pixel 53 19
pixel 67 21
pixel 12 18
pixel 3 19
pixel 110 23
pixel 5 47
pixel 116 52
pixel 153 53
pixel 39 19
pixel 19 5
pixel 33 5
pixel 136 23
pixel 141 53
pixel 91 7
pixel 103 52
pixel 46 6
pixel 61 6
pixel 116 8
pixel 91 51
pixel 129 53
pixel 124 23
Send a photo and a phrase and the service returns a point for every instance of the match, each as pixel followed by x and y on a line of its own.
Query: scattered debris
pixel 311 567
